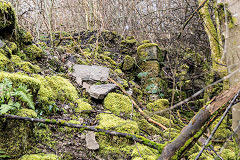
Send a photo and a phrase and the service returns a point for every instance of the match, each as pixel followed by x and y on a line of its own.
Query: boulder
pixel 91 142
pixel 90 73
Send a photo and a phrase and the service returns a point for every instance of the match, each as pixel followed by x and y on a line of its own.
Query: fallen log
pixel 198 121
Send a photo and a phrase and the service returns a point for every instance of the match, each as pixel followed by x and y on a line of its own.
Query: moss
pixel 109 121
pixel 165 121
pixel 112 145
pixel 4 61
pixel 152 67
pixel 128 63
pixel 148 128
pixel 223 130
pixel 40 156
pixel 25 66
pixel 146 152
pixel 145 41
pixel 33 52
pixel 118 104
pixel 228 154
pixel 128 45
pixel 81 106
pixel 62 88
pixel 170 133
pixel 158 105
pixel 119 72
pixel 68 129
pixel 145 52
pixel 25 38
pixel 27 113
pixel 8 20
pixel 46 89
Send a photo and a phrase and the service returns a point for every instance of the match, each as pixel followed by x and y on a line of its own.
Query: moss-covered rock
pixel 81 106
pixel 40 156
pixel 128 63
pixel 149 51
pixel 23 65
pixel 4 61
pixel 27 113
pixel 152 67
pixel 223 130
pixel 111 146
pixel 46 89
pixel 158 105
pixel 128 46
pixel 110 121
pixel 8 20
pixel 118 104
pixel 33 52
pixel 16 137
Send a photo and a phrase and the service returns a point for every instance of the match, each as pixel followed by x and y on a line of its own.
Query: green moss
pixel 145 41
pixel 40 156
pixel 170 133
pixel 62 88
pixel 27 113
pixel 33 52
pixel 119 72
pixel 81 106
pixel 223 130
pixel 152 67
pixel 109 121
pixel 158 105
pixel 146 152
pixel 46 89
pixel 4 61
pixel 148 128
pixel 128 63
pixel 25 66
pixel 25 38
pixel 112 145
pixel 118 104
pixel 228 154
pixel 8 20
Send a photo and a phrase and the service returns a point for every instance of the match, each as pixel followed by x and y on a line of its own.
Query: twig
pixel 148 118
pixel 136 138
pixel 189 19
pixel 215 129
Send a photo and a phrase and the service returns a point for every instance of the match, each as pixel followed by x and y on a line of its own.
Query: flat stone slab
pixel 100 91
pixel 91 142
pixel 86 73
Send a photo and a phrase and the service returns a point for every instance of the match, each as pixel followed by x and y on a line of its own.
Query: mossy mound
pixel 110 121
pixel 46 89
pixel 223 130
pixel 118 104
pixel 27 113
pixel 128 46
pixel 148 128
pixel 82 106
pixel 158 105
pixel 33 52
pixel 40 156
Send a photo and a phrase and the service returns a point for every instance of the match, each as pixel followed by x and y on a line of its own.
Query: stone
pixel 152 52
pixel 86 86
pixel 2 44
pixel 90 73
pixel 100 91
pixel 91 142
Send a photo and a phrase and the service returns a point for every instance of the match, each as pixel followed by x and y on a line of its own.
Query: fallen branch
pixel 136 138
pixel 215 129
pixel 148 118
pixel 198 121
